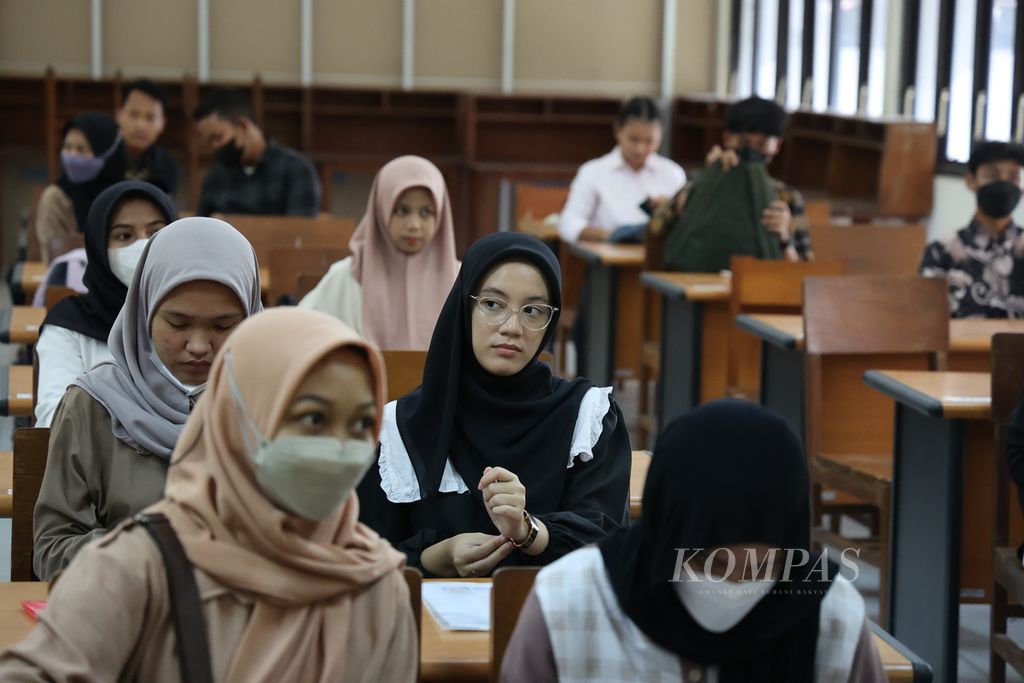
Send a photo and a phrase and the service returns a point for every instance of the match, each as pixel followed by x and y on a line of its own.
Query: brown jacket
pixel 108 620
pixel 92 481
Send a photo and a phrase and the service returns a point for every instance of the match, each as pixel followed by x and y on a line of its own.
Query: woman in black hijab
pixel 74 334
pixel 494 460
pixel 92 159
pixel 718 575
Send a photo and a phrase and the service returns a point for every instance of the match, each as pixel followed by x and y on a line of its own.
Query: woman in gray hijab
pixel 117 425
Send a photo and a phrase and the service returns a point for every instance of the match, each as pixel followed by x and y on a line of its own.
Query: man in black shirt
pixel 141 120
pixel 251 174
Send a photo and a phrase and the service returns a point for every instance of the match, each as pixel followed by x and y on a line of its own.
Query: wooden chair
pixel 637 479
pixel 287 264
pixel 764 286
pixel 404 370
pixel 508 594
pixel 852 324
pixel 55 294
pixel 536 202
pixel 1008 574
pixel 267 233
pixel 867 249
pixel 30 449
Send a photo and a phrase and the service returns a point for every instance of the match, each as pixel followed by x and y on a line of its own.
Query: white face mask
pixel 719 605
pixel 123 261
pixel 309 476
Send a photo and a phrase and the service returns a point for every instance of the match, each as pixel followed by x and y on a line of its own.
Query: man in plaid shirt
pixel 251 174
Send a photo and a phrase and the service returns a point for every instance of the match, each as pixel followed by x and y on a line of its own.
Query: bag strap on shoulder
pixel 191 643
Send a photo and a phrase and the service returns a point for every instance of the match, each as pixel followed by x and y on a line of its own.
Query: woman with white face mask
pixel 117 425
pixel 701 589
pixel 289 585
pixel 73 337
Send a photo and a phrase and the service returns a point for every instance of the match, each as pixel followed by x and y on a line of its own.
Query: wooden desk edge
pixel 766 332
pixel 902 393
pixel 912 668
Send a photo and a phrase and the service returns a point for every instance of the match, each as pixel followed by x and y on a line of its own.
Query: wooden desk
pixel 782 344
pixel 26 278
pixel 692 353
pixel 20 324
pixel 16 391
pixel 943 479
pixel 613 321
pixel 444 655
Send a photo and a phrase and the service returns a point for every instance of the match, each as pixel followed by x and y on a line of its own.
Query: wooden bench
pixel 30 452
pixel 267 233
pixel 286 265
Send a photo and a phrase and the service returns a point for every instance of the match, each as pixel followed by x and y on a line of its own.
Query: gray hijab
pixel 147 409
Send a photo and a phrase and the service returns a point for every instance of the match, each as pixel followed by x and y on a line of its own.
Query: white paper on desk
pixel 459 605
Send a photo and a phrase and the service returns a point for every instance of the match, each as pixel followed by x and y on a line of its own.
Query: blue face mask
pixel 309 476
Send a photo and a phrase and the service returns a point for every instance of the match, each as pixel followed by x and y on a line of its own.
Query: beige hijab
pixel 302 583
pixel 403 295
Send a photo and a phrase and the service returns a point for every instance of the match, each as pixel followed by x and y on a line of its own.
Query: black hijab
pixel 102 133
pixel 93 313
pixel 522 422
pixel 729 472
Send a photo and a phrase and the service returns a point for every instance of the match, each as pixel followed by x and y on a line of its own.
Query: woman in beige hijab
pixel 291 586
pixel 392 287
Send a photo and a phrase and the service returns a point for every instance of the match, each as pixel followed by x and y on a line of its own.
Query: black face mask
pixel 229 154
pixel 749 155
pixel 998 199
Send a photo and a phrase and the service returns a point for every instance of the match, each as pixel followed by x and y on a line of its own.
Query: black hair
pixel 755 115
pixel 988 151
pixel 228 103
pixel 146 87
pixel 643 108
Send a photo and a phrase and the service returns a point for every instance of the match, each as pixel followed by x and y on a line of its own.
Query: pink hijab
pixel 402 294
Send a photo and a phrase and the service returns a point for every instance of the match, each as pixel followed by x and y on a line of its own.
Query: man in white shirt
pixel 607 192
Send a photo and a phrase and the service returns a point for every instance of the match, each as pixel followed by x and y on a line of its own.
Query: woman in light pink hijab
pixel 403 259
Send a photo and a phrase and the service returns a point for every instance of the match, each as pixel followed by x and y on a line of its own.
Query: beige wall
pixel 357 42
pixel 458 44
pixel 695 46
pixel 35 33
pixel 148 38
pixel 588 45
pixel 567 46
pixel 254 36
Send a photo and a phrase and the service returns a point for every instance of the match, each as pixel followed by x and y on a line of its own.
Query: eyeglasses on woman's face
pixel 495 311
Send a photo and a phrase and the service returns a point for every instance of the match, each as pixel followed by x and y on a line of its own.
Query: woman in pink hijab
pixel 391 289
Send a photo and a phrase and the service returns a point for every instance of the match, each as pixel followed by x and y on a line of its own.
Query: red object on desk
pixel 32 608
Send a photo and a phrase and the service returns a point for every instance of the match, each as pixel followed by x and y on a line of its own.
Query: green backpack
pixel 721 219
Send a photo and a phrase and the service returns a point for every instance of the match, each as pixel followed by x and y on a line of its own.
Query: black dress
pixel 466 419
